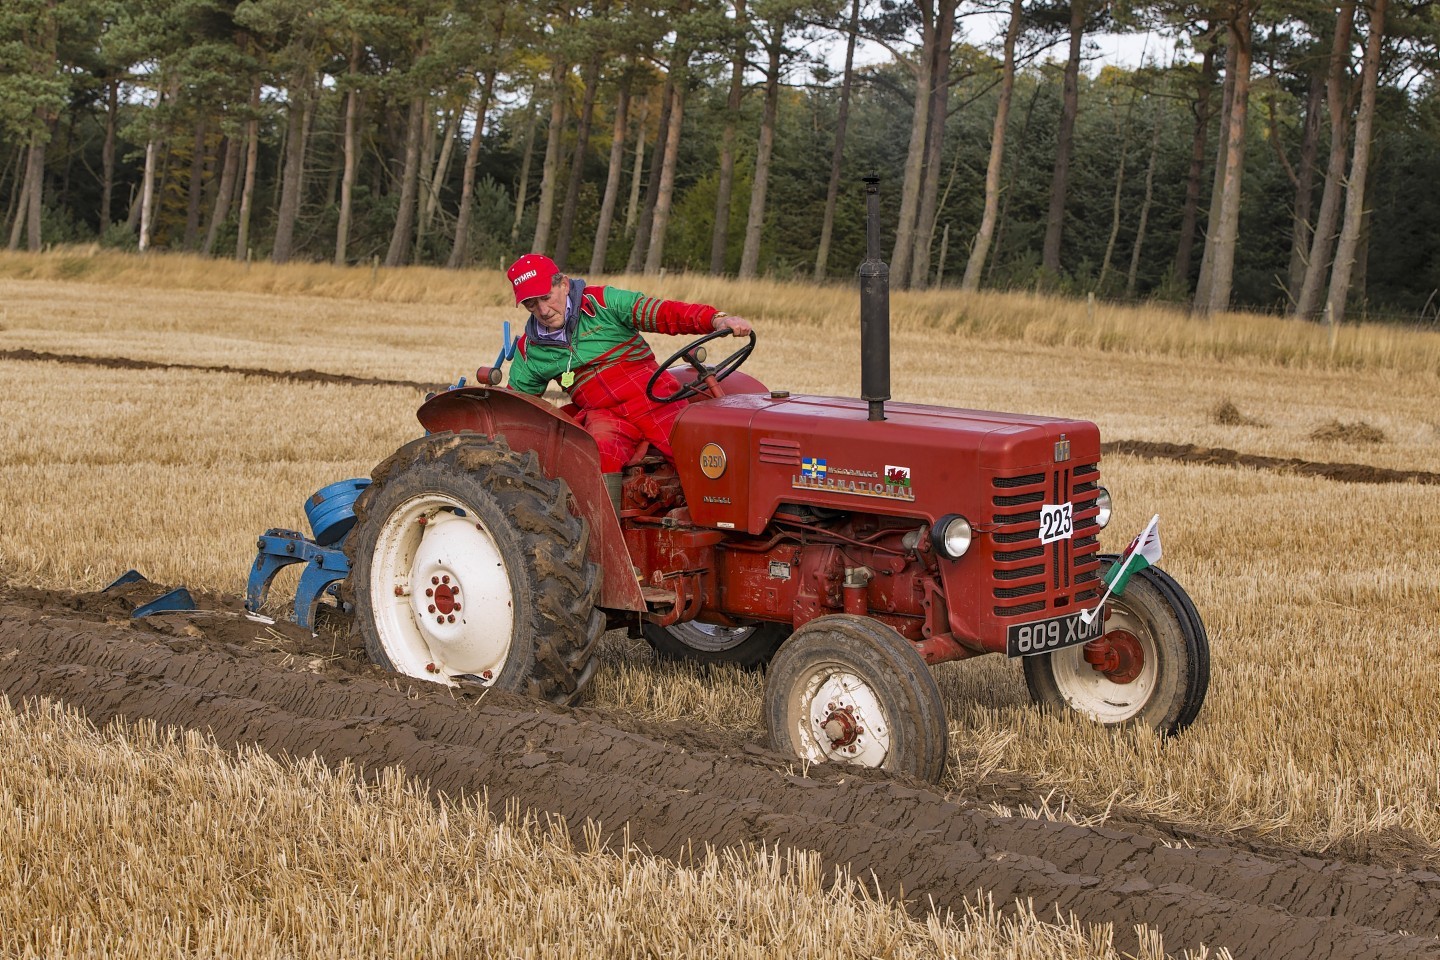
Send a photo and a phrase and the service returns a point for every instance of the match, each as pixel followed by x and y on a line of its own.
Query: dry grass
pixel 137 843
pixel 1320 597
pixel 1031 319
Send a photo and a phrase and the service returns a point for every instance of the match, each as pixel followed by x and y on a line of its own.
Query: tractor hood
pixel 740 457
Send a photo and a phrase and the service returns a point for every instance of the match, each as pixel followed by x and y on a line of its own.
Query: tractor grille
pixel 1030 577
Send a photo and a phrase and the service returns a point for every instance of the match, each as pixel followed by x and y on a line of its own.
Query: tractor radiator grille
pixel 1055 577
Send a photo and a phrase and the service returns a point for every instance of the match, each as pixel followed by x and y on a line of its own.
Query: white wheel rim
pixel 709 637
pixel 829 691
pixel 1090 692
pixel 465 624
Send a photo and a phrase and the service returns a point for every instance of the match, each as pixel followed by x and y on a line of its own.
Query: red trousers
pixel 614 409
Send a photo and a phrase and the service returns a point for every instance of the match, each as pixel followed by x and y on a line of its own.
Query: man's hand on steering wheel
pixel 738 326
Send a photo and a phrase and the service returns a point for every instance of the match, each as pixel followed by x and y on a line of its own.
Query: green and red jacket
pixel 603 327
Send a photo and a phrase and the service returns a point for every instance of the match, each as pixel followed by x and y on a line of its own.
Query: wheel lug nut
pixel 431 608
pixel 439 618
pixel 457 606
pixel 429 592
pixel 435 580
pixel 445 579
pixel 450 618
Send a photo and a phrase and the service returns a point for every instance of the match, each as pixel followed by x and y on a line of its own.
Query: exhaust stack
pixel 874 309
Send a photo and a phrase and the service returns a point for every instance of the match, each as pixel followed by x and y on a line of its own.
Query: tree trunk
pixel 549 170
pixel 409 186
pixel 666 194
pixel 436 183
pixel 915 153
pixel 652 183
pixel 1227 231
pixel 612 179
pixel 35 176
pixel 147 195
pixel 1064 143
pixel 1305 187
pixel 934 146
pixel 424 180
pixel 632 208
pixel 1009 189
pixel 1115 202
pixel 755 219
pixel 460 250
pixel 107 154
pixel 837 153
pixel 301 105
pixel 524 187
pixel 1217 185
pixel 22 209
pixel 980 249
pixel 1133 275
pixel 227 190
pixel 725 184
pixel 252 158
pixel 1359 168
pixel 351 149
pixel 196 187
pixel 577 164
pixel 1190 211
pixel 1317 264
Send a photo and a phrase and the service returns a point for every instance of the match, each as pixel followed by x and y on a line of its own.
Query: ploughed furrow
pixel 1144 449
pixel 126 363
pixel 682 792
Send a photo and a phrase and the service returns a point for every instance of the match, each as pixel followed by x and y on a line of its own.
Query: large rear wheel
pixel 849 689
pixel 1151 667
pixel 468 565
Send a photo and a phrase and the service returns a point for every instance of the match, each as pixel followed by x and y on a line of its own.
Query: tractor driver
pixel 589 339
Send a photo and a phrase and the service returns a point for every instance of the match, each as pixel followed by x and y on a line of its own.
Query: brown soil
pixel 1344 472
pixel 676 788
pixel 124 363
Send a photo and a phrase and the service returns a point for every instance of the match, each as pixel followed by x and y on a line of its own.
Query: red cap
pixel 531 276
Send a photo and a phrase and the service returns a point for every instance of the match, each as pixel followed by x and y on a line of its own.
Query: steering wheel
pixel 703 375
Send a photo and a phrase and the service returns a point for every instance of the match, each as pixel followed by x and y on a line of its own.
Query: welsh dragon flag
pixel 1144 551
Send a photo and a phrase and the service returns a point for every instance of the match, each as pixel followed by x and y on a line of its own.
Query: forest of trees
pixel 1271 154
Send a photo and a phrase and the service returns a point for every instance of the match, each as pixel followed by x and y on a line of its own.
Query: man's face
pixel 549 310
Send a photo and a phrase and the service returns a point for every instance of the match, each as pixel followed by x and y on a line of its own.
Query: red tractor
pixel 846 543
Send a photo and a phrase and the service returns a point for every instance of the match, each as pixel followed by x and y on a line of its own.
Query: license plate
pixel 1056 633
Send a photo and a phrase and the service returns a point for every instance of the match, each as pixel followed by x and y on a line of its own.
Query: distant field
pixel 1321 724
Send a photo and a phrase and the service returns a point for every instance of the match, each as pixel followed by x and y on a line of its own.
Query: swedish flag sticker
pixel 813 468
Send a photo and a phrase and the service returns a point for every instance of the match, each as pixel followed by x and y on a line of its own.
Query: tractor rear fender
pixel 566 452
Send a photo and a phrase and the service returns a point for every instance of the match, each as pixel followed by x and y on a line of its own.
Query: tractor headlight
pixel 1102 500
pixel 951 535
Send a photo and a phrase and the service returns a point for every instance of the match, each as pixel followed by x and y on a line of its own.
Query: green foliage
pixel 188 65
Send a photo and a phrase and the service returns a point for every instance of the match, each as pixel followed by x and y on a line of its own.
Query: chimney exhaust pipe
pixel 874 309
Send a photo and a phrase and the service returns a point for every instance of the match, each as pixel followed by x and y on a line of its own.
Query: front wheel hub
pixel 1117 655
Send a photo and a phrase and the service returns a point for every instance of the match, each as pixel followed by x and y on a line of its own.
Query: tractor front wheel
pixel 468 565
pixel 850 689
pixel 1151 667
pixel 748 647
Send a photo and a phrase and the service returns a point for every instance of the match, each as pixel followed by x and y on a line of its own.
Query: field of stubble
pixel 1322 726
